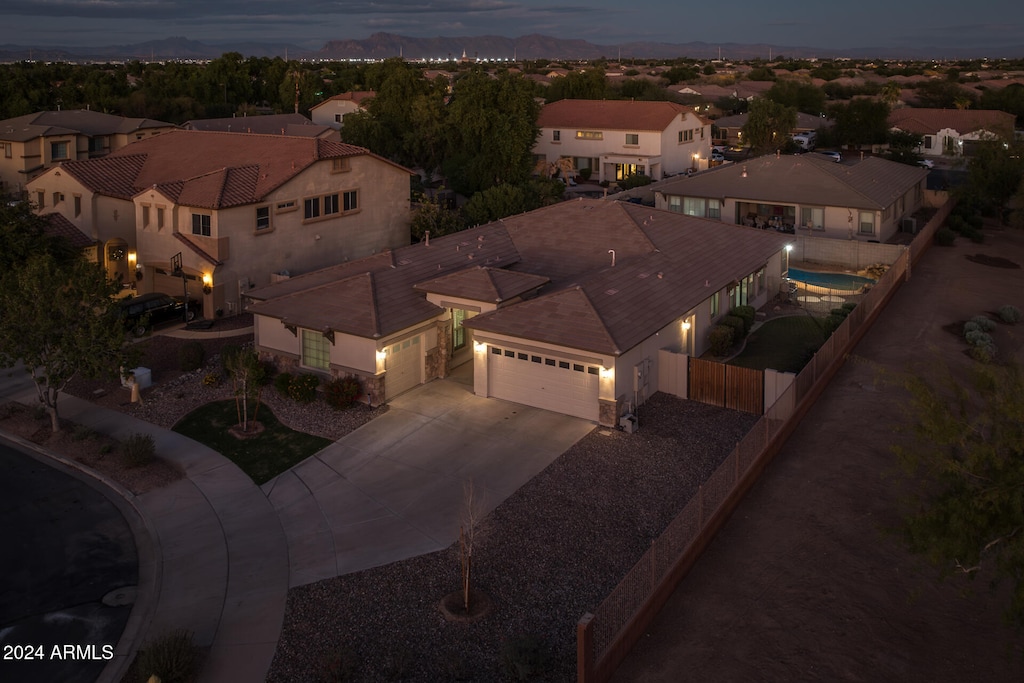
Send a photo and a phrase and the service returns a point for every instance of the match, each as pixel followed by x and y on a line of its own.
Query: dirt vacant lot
pixel 804 583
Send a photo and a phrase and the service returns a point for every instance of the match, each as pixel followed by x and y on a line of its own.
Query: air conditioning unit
pixel 909 225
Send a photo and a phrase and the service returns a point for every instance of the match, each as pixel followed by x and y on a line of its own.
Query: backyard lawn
pixel 262 456
pixel 783 344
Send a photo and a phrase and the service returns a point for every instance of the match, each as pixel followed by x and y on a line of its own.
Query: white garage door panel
pixel 402 364
pixel 555 387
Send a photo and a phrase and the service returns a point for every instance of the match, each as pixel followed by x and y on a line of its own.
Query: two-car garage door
pixel 546 381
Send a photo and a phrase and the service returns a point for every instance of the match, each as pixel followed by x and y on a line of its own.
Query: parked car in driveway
pixel 146 311
pixel 717 157
pixel 927 163
pixel 834 156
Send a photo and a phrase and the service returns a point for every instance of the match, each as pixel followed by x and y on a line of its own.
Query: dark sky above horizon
pixel 311 23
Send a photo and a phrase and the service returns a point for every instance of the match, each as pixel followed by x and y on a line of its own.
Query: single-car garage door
pixel 402 363
pixel 558 384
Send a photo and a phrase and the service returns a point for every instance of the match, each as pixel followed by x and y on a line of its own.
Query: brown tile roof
pixel 873 183
pixel 358 96
pixel 72 121
pixel 478 283
pixel 924 121
pixel 213 169
pixel 59 226
pixel 269 124
pixel 610 114
pixel 665 263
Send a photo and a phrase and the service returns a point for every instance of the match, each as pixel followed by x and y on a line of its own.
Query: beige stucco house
pixel 616 139
pixel 32 143
pixel 809 193
pixel 952 132
pixel 564 308
pixel 332 111
pixel 235 211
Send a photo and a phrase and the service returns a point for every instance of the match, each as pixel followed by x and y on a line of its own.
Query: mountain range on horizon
pixel 384 45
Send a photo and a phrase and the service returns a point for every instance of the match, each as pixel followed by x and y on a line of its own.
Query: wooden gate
pixel 727 386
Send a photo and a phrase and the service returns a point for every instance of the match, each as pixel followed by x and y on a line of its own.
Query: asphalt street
pixel 68 572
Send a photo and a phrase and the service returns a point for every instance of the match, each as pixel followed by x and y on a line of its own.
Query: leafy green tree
pixel 761 73
pixel 248 377
pixel 586 84
pixel 891 93
pixel 768 125
pixel 433 217
pixel 505 200
pixel 23 234
pixel 678 74
pixel 967 459
pixel 943 95
pixel 801 96
pixel 61 320
pixel 903 147
pixel 1009 99
pixel 995 172
pixel 861 122
pixel 492 125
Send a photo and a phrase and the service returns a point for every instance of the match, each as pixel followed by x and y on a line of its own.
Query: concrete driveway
pixel 394 488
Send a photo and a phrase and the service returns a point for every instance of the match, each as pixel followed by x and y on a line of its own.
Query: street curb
pixel 147 547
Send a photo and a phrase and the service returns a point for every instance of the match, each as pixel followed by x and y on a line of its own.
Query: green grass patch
pixel 263 456
pixel 784 344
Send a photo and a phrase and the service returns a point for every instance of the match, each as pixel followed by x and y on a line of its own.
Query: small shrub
pixel 283 383
pixel 736 323
pixel 227 352
pixel 212 380
pixel 944 237
pixel 173 658
pixel 39 413
pixel 342 392
pixel 635 180
pixel 984 323
pixel 957 224
pixel 876 271
pixel 1010 314
pixel 303 387
pixel 720 339
pixel 747 313
pixel 833 321
pixel 524 657
pixel 970 326
pixel 849 306
pixel 840 313
pixel 191 356
pixel 138 449
pixel 81 433
pixel 585 173
pixel 984 353
pixel 106 448
pixel 978 338
pixel 975 221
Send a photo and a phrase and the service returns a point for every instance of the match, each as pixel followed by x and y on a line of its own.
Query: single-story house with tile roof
pixel 233 210
pixel 952 132
pixel 620 138
pixel 564 308
pixel 32 143
pixel 729 129
pixel 863 200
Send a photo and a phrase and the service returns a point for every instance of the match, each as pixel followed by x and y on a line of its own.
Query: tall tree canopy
pixel 861 122
pixel 768 125
pixel 801 96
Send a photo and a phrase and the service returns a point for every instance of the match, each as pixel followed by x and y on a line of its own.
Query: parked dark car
pixel 146 311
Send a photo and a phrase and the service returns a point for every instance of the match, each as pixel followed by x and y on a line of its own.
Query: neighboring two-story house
pixel 952 132
pixel 809 193
pixel 563 308
pixel 619 138
pixel 332 111
pixel 225 212
pixel 32 143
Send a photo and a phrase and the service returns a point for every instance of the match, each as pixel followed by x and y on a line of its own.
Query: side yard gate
pixel 726 386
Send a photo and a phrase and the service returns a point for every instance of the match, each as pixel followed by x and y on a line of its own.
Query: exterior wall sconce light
pixel 207 283
pixel 479 347
pixel 686 326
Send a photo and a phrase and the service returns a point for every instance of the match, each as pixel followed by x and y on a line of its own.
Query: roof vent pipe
pixel 426 237
pixel 612 252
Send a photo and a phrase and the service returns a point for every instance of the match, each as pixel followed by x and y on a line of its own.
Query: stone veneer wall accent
pixel 609 411
pixel 438 359
pixel 373 388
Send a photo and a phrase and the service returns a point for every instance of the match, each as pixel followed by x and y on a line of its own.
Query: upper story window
pixel 41 199
pixel 201 224
pixel 632 138
pixel 6 147
pixel 589 135
pixel 867 222
pixel 311 208
pixel 686 135
pixel 145 216
pixel 78 205
pixel 340 165
pixel 337 118
pixel 556 135
pixel 289 205
pixel 262 217
pixel 351 200
pixel 97 145
pixel 159 217
pixel 59 150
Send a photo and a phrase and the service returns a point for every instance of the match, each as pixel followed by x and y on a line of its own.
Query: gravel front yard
pixel 545 556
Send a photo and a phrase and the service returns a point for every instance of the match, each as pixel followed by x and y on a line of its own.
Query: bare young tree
pixel 470 530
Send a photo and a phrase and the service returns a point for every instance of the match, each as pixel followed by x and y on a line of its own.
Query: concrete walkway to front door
pixel 394 488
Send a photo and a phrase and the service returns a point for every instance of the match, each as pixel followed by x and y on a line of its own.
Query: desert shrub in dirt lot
pixel 172 658
pixel 138 449
pixel 720 338
pixel 342 392
pixel 978 338
pixel 1010 314
pixel 984 323
pixel 81 433
pixel 302 388
pixel 944 237
pixel 970 326
pixel 747 314
pixel 190 356
pixel 212 380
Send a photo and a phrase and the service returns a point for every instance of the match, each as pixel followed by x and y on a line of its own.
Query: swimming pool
pixel 839 281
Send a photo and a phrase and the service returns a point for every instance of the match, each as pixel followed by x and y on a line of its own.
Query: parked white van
pixel 807 141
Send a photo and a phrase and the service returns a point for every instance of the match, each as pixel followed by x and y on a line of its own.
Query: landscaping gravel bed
pixel 547 555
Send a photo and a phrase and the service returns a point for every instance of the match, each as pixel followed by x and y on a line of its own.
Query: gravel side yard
pixel 545 556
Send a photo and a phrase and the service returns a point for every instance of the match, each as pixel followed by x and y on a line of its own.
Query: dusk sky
pixel 311 23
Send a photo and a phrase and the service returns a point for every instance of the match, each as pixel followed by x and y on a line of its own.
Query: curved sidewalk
pixel 218 559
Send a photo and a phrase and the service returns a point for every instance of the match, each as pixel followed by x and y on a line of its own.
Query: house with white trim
pixel 620 138
pixel 564 308
pixel 221 213
pixel 952 132
pixel 866 199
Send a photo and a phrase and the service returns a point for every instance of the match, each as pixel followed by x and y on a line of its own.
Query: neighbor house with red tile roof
pixel 564 308
pixel 619 138
pixel 332 111
pixel 32 143
pixel 234 210
pixel 865 200
pixel 952 132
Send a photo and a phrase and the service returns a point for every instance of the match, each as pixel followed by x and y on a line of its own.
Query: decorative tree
pixel 247 378
pixel 473 513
